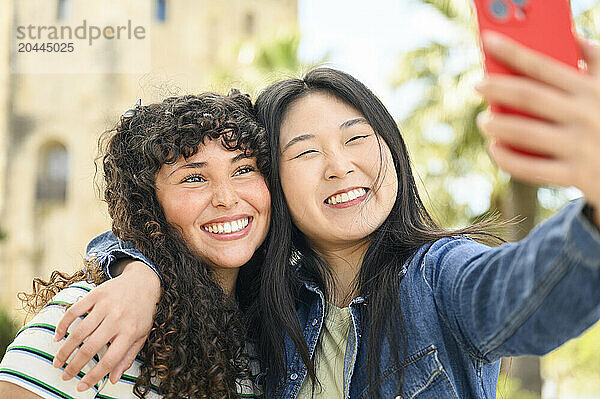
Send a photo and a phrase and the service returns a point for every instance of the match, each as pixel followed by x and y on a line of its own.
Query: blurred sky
pixel 365 38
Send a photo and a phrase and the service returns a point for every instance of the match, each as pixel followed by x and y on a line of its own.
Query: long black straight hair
pixel 407 227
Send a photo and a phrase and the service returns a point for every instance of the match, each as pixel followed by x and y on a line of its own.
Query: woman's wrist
pixel 142 272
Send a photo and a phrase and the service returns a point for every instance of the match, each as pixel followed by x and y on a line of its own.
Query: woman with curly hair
pixel 184 184
pixel 363 295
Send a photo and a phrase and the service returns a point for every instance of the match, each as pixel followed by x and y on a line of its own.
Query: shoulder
pixel 71 294
pixel 447 254
pixel 28 359
pixel 455 250
pixel 447 248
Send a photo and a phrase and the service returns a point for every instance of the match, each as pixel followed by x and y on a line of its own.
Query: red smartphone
pixel 542 25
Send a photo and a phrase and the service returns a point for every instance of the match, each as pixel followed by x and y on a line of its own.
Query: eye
pixel 244 170
pixel 357 138
pixel 194 179
pixel 305 153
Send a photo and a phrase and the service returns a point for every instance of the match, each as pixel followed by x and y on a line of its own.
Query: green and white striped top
pixel 28 360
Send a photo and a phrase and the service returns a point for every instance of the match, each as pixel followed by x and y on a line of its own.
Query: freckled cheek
pixel 184 208
pixel 256 193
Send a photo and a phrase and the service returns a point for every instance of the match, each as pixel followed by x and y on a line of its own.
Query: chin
pixel 232 262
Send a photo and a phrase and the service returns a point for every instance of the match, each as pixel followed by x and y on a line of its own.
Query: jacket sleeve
pixel 522 298
pixel 107 249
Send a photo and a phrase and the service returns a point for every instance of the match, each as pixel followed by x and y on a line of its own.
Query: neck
pixel 226 278
pixel 344 262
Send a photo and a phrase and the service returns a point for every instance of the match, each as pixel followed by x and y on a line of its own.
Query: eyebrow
pixel 297 139
pixel 239 157
pixel 344 125
pixel 199 165
pixel 353 122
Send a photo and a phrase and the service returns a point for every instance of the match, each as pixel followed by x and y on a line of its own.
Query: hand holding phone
pixel 567 128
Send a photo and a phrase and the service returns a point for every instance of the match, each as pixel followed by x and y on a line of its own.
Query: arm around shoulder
pixel 121 309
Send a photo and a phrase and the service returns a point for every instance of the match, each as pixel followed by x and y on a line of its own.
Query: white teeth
pixel 227 227
pixel 345 197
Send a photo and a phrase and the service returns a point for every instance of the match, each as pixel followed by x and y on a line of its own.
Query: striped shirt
pixel 28 360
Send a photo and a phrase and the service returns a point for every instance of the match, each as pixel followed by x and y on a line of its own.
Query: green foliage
pixel 8 330
pixel 510 388
pixel 576 365
pixel 281 54
pixel 588 22
pixel 441 132
pixel 263 61
pixel 446 7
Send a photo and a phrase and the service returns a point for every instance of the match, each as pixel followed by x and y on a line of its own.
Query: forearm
pixel 526 297
pixel 139 270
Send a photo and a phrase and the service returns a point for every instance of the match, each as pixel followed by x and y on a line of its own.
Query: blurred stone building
pixel 50 123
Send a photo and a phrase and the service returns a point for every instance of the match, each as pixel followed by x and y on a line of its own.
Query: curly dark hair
pixel 196 345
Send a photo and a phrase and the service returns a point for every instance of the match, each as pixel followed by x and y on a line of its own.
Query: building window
pixel 52 174
pixel 161 10
pixel 249 23
pixel 63 9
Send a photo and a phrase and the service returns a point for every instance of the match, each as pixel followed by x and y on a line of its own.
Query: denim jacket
pixel 465 306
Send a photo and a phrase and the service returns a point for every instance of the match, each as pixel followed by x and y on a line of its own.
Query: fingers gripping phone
pixel 545 26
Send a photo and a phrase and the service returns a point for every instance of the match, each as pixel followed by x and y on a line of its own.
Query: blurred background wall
pixel 50 123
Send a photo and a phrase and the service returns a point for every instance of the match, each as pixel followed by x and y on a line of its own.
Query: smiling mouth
pixel 225 228
pixel 349 197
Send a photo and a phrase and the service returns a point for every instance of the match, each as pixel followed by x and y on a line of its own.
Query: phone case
pixel 542 25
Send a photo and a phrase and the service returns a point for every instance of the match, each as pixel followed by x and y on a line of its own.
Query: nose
pixel 338 166
pixel 225 196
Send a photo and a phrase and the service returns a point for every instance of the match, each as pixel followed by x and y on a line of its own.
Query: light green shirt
pixel 329 361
